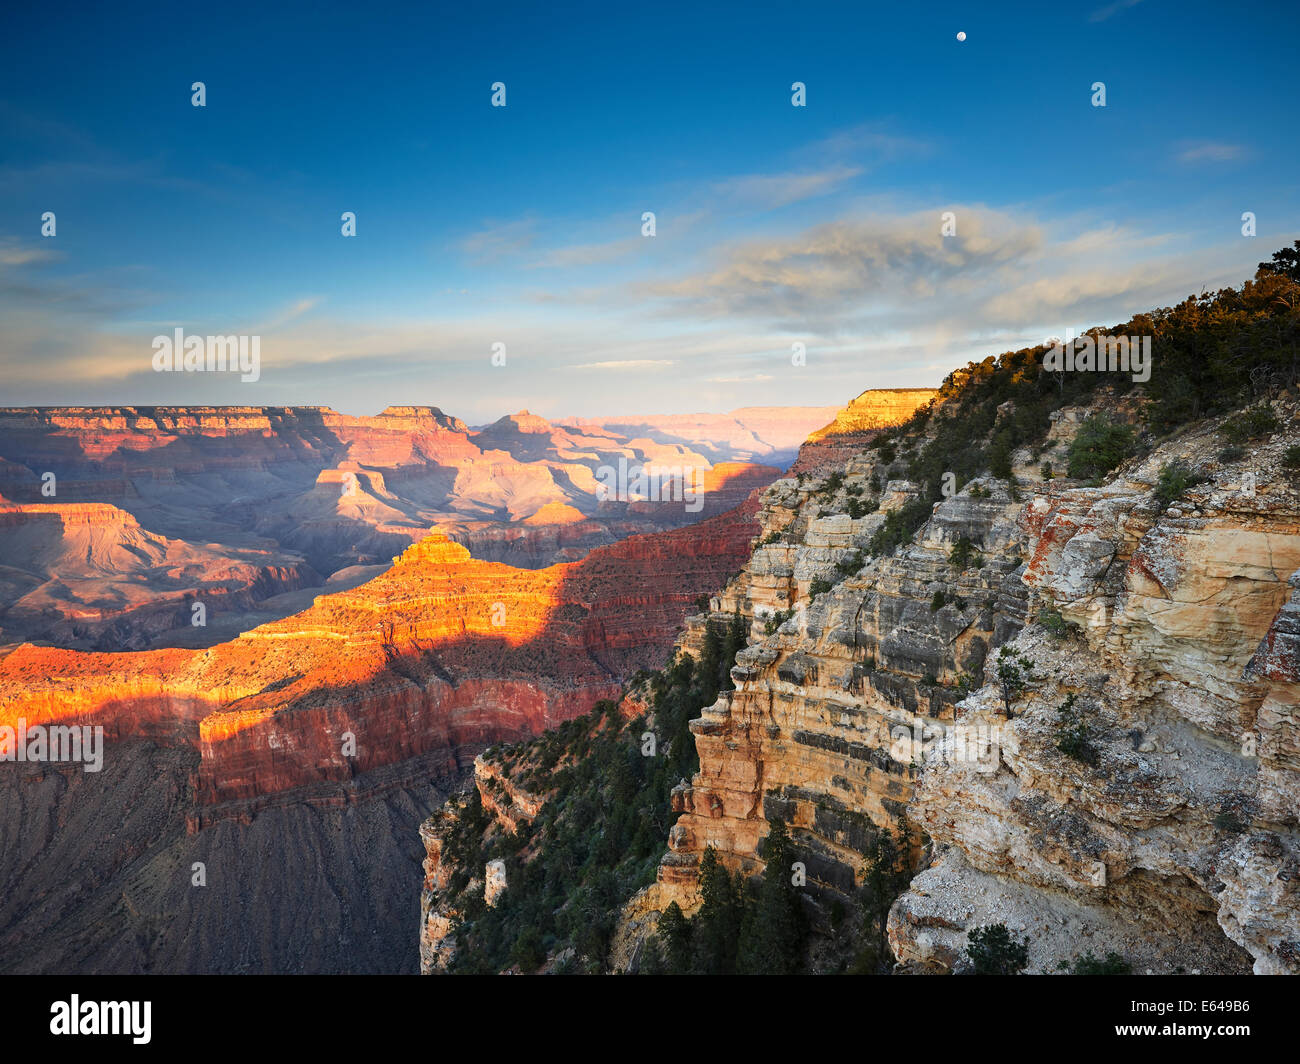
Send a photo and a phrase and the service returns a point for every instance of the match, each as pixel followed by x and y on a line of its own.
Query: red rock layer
pixel 440 653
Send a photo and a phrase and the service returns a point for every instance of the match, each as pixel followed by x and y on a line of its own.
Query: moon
pixel 961 36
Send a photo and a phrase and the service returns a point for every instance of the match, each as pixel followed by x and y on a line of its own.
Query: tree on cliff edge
pixel 775 928
pixel 1286 262
pixel 674 940
pixel 717 925
pixel 886 874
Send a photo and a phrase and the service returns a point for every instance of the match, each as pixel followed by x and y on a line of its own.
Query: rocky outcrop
pixel 1175 842
pixel 831 711
pixel 871 691
pixel 508 807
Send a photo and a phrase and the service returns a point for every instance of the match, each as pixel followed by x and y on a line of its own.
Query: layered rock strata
pixel 1173 842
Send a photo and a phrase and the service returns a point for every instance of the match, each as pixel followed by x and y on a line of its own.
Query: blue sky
pixel 522 224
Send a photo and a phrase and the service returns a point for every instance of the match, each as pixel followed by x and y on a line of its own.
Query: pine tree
pixel 717 925
pixel 887 873
pixel 994 950
pixel 674 936
pixel 775 928
pixel 736 641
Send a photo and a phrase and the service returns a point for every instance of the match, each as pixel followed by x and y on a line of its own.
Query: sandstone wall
pixel 1177 849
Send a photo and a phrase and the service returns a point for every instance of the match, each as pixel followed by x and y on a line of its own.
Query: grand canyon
pixel 579 491
pixel 859 594
pixel 422 659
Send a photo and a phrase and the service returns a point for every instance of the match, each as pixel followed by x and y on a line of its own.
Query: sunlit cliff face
pixel 438 652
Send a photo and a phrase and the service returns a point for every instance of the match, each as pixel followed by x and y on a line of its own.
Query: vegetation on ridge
pixel 1212 353
pixel 600 834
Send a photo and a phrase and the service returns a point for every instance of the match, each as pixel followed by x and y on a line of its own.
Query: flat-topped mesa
pixel 94 514
pixel 524 421
pixel 200 420
pixel 419 417
pixel 218 420
pixel 876 408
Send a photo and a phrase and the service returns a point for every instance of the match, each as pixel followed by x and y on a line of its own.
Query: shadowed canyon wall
pixel 294 761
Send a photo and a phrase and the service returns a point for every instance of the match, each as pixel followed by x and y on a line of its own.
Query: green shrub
pixel 899 527
pixel 1232 453
pixel 1174 480
pixel 1057 626
pixel 1073 736
pixel 938 601
pixel 859 508
pixel 1111 964
pixel 995 951
pixel 1291 457
pixel 1250 424
pixel 817 587
pixel 1229 820
pixel 850 564
pixel 1014 675
pixel 776 620
pixel 962 554
pixel 1100 445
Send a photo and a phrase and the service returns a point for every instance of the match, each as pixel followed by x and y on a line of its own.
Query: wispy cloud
pixel 1103 13
pixel 14 252
pixel 753 378
pixel 769 191
pixel 624 364
pixel 1209 151
pixel 866 144
pixel 830 269
pixel 290 313
pixel 498 240
pixel 591 254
